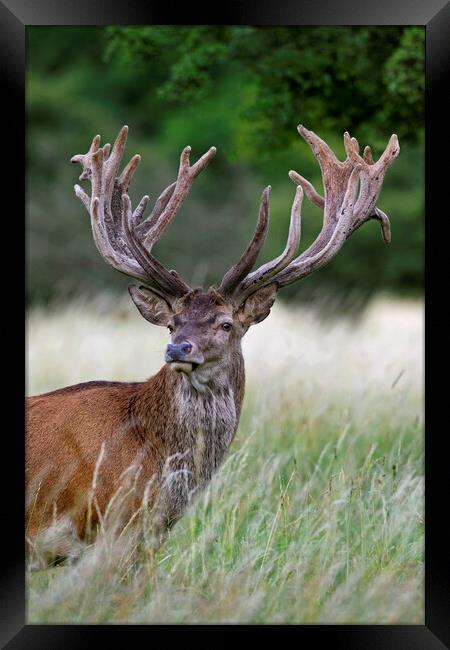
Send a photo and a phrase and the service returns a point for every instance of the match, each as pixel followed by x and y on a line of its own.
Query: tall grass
pixel 316 515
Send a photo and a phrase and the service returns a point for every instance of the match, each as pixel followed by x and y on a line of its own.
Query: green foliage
pixel 243 89
pixel 404 78
pixel 332 76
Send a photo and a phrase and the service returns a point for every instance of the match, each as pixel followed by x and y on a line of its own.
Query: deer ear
pixel 257 306
pixel 151 306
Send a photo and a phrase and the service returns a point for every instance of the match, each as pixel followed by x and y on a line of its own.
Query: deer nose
pixel 176 351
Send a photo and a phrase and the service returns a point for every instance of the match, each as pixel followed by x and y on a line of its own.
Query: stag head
pixel 206 327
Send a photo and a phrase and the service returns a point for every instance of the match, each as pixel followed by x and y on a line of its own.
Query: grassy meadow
pixel 316 515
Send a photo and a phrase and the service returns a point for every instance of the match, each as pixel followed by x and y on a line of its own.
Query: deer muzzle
pixel 183 357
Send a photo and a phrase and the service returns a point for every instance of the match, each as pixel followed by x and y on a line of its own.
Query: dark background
pixel 243 89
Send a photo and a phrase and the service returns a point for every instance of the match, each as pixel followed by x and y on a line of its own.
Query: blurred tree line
pixel 244 90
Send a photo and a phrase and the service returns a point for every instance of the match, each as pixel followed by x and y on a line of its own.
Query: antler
pixel 123 240
pixel 344 212
pixel 238 278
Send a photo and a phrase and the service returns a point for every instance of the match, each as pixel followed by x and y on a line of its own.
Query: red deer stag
pixel 175 428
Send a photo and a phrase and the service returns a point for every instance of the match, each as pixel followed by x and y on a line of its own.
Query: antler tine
pixel 85 159
pixel 97 172
pixel 367 155
pixel 161 202
pixel 309 189
pixel 170 201
pixel 320 149
pixel 84 198
pixel 114 159
pixel 244 265
pixel 267 271
pixel 139 210
pixel 351 149
pixel 390 153
pixel 125 177
pixel 384 223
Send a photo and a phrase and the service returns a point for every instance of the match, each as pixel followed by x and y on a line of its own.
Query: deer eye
pixel 170 328
pixel 226 326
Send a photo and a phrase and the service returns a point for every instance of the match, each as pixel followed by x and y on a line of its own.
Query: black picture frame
pixel 15 16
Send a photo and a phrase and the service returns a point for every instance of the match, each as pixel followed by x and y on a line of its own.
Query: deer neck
pixel 210 382
pixel 209 385
pixel 206 406
pixel 208 413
